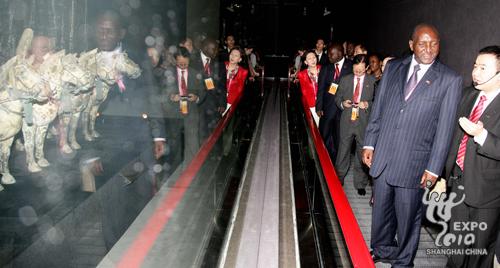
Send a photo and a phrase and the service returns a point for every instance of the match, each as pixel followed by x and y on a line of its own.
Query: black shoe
pixel 376 258
pixel 361 192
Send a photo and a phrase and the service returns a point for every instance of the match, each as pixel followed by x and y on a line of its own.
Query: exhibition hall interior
pixel 240 133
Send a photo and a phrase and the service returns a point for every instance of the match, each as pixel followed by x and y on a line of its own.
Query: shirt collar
pixel 489 96
pixel 204 58
pixel 423 67
pixel 340 63
pixel 179 70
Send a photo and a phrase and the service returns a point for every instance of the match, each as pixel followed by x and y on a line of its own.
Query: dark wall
pixel 465 27
pixel 202 18
pixel 70 23
pixel 281 26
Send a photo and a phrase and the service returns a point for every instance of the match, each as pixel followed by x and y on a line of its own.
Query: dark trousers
pixel 484 238
pixel 329 125
pixel 396 213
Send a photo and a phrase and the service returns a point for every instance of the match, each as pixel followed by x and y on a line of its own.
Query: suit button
pixel 401 111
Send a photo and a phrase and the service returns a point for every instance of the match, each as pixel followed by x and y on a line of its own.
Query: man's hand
pixel 319 113
pixel 97 168
pixel 367 156
pixel 470 127
pixel 175 97
pixel 427 180
pixel 159 149
pixel 192 97
pixel 440 188
pixel 363 105
pixel 347 104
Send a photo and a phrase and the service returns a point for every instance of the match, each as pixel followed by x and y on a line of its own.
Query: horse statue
pixel 74 100
pixel 19 86
pixel 63 72
pixel 108 68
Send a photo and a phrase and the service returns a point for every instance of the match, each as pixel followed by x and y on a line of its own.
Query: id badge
pixel 209 84
pixel 183 106
pixel 354 113
pixel 333 89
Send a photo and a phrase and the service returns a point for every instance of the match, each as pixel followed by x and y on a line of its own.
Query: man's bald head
pixel 209 47
pixel 425 43
pixel 109 30
pixel 421 27
pixel 335 52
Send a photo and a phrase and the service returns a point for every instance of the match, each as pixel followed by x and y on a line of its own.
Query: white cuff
pixel 369 147
pixel 481 138
pixel 88 161
pixel 159 139
pixel 437 176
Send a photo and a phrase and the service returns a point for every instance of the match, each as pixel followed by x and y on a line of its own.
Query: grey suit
pixel 174 123
pixel 353 130
pixel 409 137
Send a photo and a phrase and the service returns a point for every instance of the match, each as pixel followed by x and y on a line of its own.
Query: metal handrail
pixel 356 245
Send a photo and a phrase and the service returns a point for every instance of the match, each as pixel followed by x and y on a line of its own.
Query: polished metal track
pixel 263 229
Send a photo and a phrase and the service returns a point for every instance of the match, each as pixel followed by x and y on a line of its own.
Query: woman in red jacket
pixel 236 76
pixel 308 79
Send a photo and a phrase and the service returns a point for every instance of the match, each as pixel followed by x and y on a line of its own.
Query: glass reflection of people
pixel 235 84
pixel 188 44
pixel 180 98
pixel 213 73
pixel 308 79
pixel 236 76
pixel 109 31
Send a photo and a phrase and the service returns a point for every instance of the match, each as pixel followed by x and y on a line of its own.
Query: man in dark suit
pixel 229 43
pixel 329 113
pixel 354 97
pixel 474 161
pixel 406 143
pixel 320 53
pixel 180 96
pixel 213 73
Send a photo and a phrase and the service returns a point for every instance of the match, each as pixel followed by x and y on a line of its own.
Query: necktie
pixel 183 84
pixel 412 82
pixel 355 96
pixel 337 72
pixel 207 67
pixel 474 117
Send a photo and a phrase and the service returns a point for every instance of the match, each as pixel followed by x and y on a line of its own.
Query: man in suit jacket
pixel 179 100
pixel 474 160
pixel 213 73
pixel 329 113
pixel 354 97
pixel 406 143
pixel 320 54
